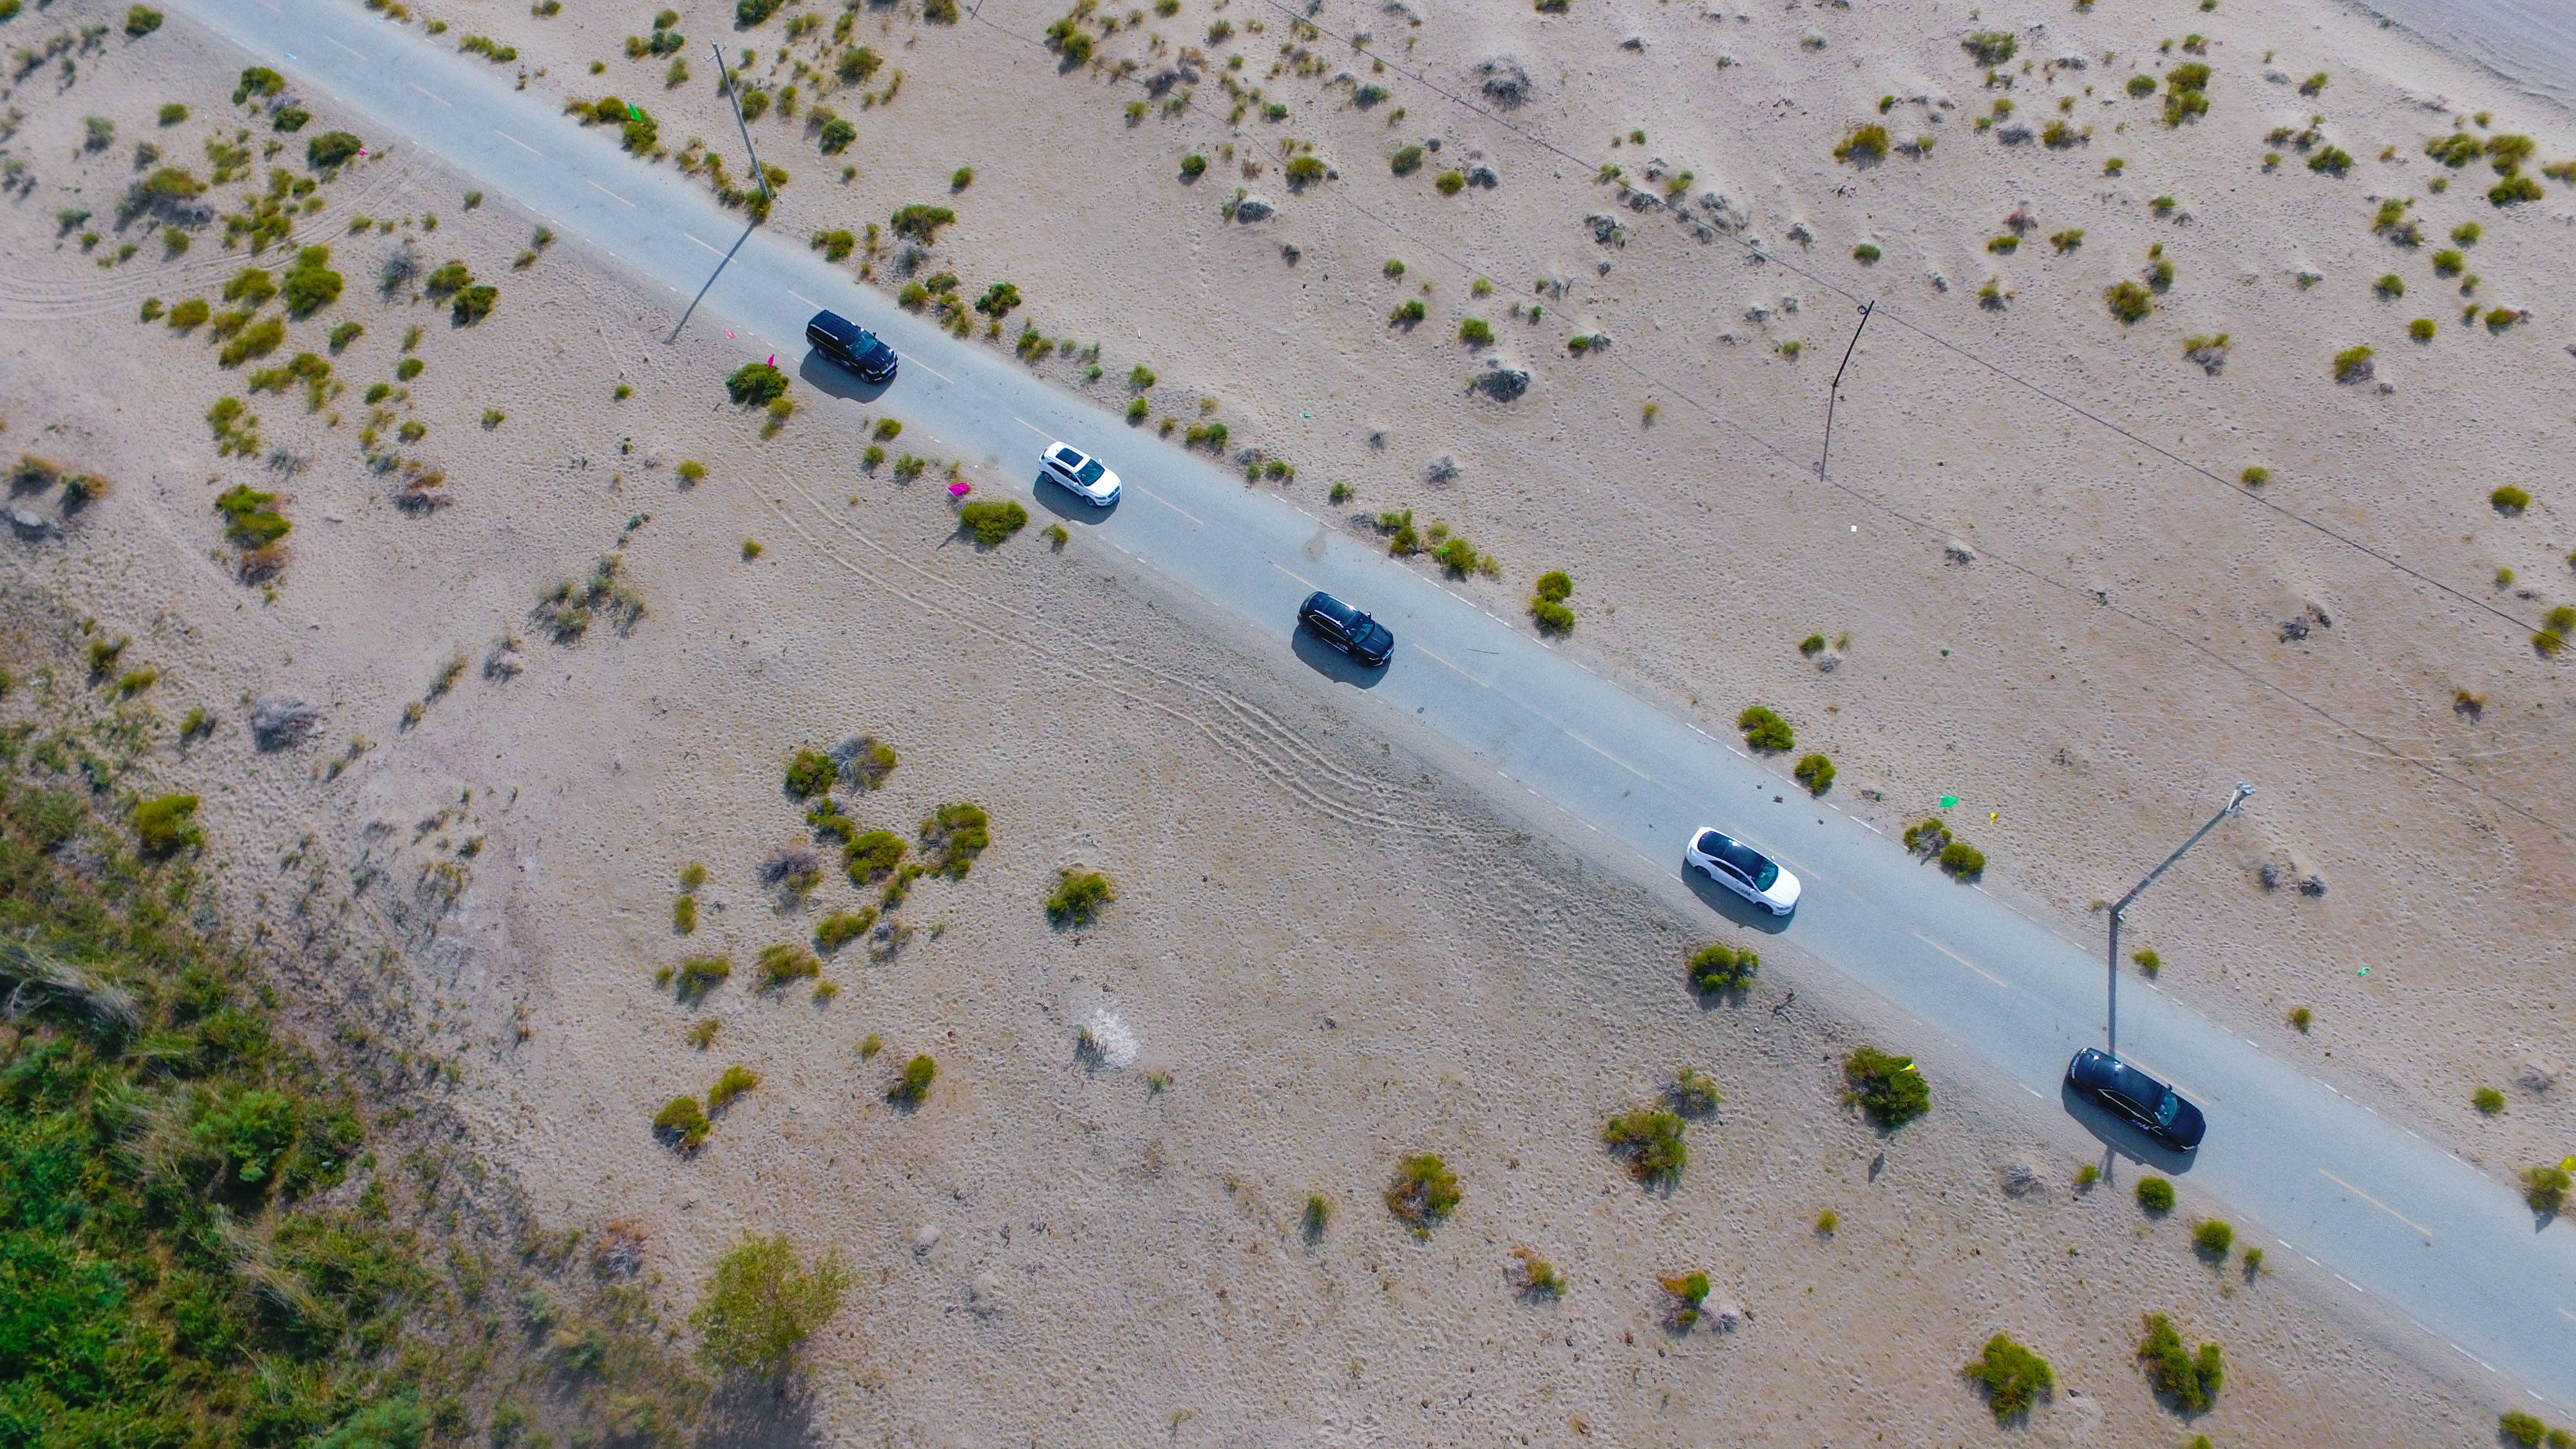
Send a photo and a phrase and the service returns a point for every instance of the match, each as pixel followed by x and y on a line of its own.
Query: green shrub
pixel 2129 302
pixel 1963 860
pixel 332 149
pixel 952 836
pixel 2487 1100
pixel 784 963
pixel 2513 190
pixel 1406 161
pixel 922 222
pixel 141 21
pixel 1475 332
pixel 250 521
pixel 684 914
pixel 1990 47
pixel 167 824
pixel 1765 731
pixel 873 856
pixel 2155 1194
pixel 842 927
pixel 760 1304
pixel 1650 1139
pixel 1865 144
pixel 188 314
pixel 1887 1087
pixel 682 1124
pixel 2330 161
pixel 1539 1277
pixel 2421 329
pixel 2521 1428
pixel 259 339
pixel 755 384
pixel 1554 585
pixel 1551 616
pixel 1816 773
pixel 1688 1291
pixel 998 300
pixel 473 304
pixel 1306 170
pixel 2141 85
pixel 2509 500
pixel 2212 1239
pixel 310 285
pixel 2187 1380
pixel 810 773
pixel 1079 897
pixel 734 1082
pixel 2545 1188
pixel 992 521
pixel 2390 285
pixel 1693 1093
pixel 1719 967
pixel 1407 312
pixel 1317 1215
pixel 2014 1377
pixel 1423 1193
pixel 701 974
pixel 2352 364
pixel 1866 253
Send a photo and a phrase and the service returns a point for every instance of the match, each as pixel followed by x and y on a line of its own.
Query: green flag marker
pixel 1949 800
pixel 632 113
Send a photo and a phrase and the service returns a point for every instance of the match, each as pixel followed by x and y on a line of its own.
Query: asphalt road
pixel 2387 1214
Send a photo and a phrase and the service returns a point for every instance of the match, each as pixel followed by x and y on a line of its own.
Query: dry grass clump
pixel 567 610
pixel 784 963
pixel 1423 1194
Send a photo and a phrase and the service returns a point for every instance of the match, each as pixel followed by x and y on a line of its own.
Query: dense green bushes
pixel 1650 1139
pixel 1718 967
pixel 1816 773
pixel 2155 1194
pixel 1547 603
pixel 760 1304
pixel 1887 1087
pixel 756 384
pixel 952 836
pixel 810 773
pixel 1765 731
pixel 992 521
pixel 2188 1381
pixel 2014 1377
pixel 1423 1194
pixel 1079 897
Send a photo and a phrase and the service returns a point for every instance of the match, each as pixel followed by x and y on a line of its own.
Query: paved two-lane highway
pixel 2385 1212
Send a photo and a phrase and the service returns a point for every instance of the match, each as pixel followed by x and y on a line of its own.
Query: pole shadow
pixel 721 263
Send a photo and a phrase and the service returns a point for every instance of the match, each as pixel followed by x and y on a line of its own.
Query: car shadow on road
pixel 1732 906
pixel 833 380
pixel 1068 505
pixel 2120 1134
pixel 1330 662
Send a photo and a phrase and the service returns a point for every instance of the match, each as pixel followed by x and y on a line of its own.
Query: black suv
pixel 852 346
pixel 1347 629
pixel 2157 1109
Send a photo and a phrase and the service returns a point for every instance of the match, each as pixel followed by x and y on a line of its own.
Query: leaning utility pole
pixel 1835 389
pixel 2234 803
pixel 733 93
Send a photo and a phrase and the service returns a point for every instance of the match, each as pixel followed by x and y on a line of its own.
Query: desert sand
pixel 1323 956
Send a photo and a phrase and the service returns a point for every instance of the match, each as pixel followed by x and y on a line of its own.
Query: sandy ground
pixel 2111 645
pixel 1335 957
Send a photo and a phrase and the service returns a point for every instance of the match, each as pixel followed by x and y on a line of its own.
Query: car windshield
pixel 1090 473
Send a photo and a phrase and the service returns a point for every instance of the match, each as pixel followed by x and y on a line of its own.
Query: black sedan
pixel 1347 629
pixel 852 346
pixel 2158 1110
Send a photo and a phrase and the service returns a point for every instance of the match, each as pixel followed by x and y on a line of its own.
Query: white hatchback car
pixel 1742 869
pixel 1081 473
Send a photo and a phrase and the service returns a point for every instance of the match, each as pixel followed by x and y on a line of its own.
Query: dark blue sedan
pixel 2159 1110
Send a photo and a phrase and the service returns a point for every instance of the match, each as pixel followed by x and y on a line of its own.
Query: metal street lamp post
pixel 2235 802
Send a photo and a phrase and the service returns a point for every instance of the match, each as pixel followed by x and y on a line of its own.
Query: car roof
pixel 1068 454
pixel 834 324
pixel 1324 603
